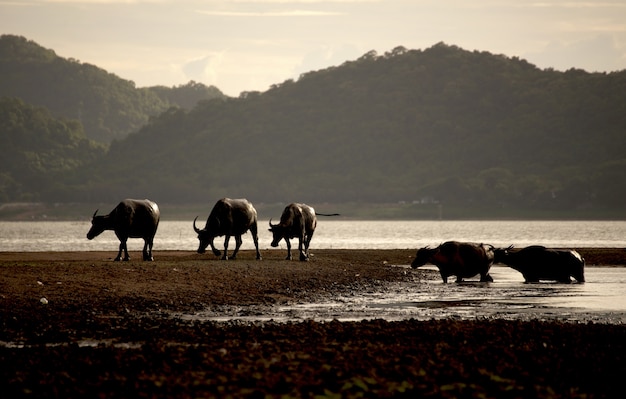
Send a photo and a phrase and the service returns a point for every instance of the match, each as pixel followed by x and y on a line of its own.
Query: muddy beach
pixel 79 325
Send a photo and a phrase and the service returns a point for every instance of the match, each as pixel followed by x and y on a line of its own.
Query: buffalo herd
pixel 234 217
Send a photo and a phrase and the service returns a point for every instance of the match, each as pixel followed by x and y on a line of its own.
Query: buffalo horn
pixel 197 230
pixel 271 223
pixel 94 214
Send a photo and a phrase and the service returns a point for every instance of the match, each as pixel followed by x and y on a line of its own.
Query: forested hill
pixel 108 106
pixel 442 125
pixel 475 132
pixel 37 150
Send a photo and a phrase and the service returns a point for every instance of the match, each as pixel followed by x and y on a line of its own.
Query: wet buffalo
pixel 297 221
pixel 540 263
pixel 460 259
pixel 130 219
pixel 229 217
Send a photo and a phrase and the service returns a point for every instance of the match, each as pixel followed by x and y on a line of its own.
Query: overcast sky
pixel 246 45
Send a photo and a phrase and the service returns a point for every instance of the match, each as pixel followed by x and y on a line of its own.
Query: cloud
pixel 325 56
pixel 575 4
pixel 203 69
pixel 291 13
pixel 599 53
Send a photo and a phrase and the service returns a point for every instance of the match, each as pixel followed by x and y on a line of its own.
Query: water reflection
pixel 601 299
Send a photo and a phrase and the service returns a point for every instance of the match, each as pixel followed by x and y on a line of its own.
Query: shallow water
pixel 601 299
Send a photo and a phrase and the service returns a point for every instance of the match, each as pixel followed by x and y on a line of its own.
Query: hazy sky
pixel 246 45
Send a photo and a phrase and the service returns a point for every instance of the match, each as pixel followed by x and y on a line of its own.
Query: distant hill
pixel 442 128
pixel 38 150
pixel 109 107
pixel 443 125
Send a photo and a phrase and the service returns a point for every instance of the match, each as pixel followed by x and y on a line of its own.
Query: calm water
pixel 601 299
pixel 179 235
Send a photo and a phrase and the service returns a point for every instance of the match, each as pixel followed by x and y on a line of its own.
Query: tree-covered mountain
pixel 108 107
pixel 188 95
pixel 477 132
pixel 36 149
pixel 468 129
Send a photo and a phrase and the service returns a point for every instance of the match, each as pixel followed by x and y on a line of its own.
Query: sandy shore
pixel 106 329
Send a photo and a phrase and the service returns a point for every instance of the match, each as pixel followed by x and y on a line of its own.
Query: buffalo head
pixel 205 238
pixel 278 233
pixel 97 226
pixel 500 254
pixel 423 256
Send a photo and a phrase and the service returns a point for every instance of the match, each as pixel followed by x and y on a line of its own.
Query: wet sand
pixel 79 325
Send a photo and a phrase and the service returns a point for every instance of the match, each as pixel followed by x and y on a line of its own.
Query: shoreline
pixel 594 256
pixel 111 329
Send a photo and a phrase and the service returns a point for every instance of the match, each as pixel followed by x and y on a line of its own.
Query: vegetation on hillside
pixel 443 125
pixel 36 149
pixel 108 107
pixel 438 127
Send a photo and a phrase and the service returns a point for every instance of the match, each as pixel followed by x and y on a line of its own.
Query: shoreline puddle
pixel 599 300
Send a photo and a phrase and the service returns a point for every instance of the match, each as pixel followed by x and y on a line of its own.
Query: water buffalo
pixel 460 259
pixel 297 220
pixel 540 263
pixel 130 219
pixel 229 217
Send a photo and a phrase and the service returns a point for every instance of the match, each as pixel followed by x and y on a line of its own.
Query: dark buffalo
pixel 460 259
pixel 130 219
pixel 229 217
pixel 540 263
pixel 297 220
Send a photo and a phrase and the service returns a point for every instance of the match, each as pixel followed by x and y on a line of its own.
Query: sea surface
pixel 330 234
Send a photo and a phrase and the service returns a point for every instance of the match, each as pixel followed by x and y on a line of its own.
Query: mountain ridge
pixel 465 129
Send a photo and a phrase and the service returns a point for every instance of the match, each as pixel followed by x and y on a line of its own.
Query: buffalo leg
pixel 119 253
pixel 150 257
pixel 225 254
pixel 307 242
pixel 486 278
pixel 147 250
pixel 303 255
pixel 255 238
pixel 288 248
pixel 216 251
pixel 237 246
pixel 309 237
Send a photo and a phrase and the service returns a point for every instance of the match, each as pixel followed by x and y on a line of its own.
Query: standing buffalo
pixel 540 263
pixel 130 219
pixel 229 217
pixel 297 220
pixel 458 258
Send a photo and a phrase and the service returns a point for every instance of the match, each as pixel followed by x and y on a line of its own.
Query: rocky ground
pixel 79 325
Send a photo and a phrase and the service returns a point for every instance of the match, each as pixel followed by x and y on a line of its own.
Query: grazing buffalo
pixel 460 259
pixel 130 219
pixel 297 220
pixel 540 263
pixel 229 217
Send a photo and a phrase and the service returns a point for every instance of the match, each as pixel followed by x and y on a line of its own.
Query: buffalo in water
pixel 297 221
pixel 229 217
pixel 540 263
pixel 130 219
pixel 459 259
